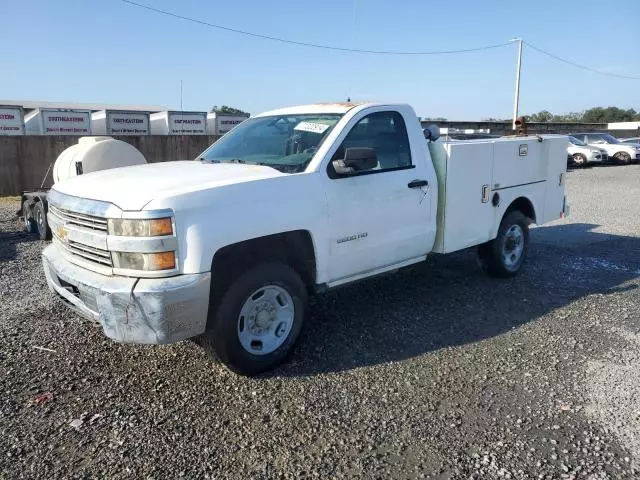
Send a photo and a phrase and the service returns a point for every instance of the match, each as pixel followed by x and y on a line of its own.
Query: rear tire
pixel 505 255
pixel 40 216
pixel 258 319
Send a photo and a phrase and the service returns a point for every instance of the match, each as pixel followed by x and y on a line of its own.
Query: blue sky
pixel 111 52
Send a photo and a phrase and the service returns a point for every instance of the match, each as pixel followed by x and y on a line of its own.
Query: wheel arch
pixel 295 248
pixel 524 205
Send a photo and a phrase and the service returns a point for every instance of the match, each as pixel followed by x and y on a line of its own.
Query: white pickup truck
pixel 227 248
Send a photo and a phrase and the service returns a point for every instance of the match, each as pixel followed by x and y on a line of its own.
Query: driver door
pixel 378 218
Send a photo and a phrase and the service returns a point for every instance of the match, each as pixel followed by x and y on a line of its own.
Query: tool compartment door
pixel 465 218
pixel 518 162
pixel 554 149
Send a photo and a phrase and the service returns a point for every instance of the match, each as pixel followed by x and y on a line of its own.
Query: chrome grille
pixel 92 254
pixel 79 219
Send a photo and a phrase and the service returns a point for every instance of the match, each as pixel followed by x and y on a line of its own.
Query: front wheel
pixel 505 255
pixel 258 319
pixel 623 158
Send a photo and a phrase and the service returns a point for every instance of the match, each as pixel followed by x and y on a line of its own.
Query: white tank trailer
pixel 90 154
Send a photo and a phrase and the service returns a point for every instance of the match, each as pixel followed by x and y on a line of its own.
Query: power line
pixel 577 65
pixel 307 44
pixel 377 52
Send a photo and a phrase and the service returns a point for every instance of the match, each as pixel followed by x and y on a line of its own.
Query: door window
pixel 595 139
pixel 386 133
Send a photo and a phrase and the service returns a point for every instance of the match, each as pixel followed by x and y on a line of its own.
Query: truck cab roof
pixel 339 107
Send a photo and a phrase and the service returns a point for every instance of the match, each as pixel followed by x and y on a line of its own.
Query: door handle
pixel 417 183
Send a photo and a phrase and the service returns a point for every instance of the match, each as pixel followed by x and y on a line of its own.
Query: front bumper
pixel 597 157
pixel 131 310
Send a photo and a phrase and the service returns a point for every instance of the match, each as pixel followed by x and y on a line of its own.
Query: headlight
pixel 144 261
pixel 152 227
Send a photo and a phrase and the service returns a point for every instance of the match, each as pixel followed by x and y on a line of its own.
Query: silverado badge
pixel 350 238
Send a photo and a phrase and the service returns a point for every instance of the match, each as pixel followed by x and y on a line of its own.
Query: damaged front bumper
pixel 132 310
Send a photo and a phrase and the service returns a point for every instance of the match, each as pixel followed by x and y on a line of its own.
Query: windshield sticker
pixel 312 127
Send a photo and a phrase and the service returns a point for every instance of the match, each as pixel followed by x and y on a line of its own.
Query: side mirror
pixel 432 132
pixel 356 160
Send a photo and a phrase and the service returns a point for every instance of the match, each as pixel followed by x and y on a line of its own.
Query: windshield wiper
pixel 230 160
pixel 237 160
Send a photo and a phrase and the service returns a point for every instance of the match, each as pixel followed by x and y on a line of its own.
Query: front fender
pixel 208 220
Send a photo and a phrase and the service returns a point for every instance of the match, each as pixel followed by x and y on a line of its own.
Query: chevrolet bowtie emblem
pixel 62 233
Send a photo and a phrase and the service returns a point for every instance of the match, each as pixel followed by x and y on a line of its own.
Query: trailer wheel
pixel 505 255
pixel 44 232
pixel 29 223
pixel 258 319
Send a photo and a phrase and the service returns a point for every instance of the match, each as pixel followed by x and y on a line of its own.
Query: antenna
pixel 353 38
pixel 516 101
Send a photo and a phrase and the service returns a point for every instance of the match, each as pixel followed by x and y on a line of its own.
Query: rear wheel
pixel 258 319
pixel 40 217
pixel 505 255
pixel 623 158
pixel 579 160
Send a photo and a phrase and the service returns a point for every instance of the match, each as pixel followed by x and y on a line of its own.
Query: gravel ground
pixel 436 372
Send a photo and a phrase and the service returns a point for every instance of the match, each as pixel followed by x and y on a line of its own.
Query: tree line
pixel 593 115
pixel 224 109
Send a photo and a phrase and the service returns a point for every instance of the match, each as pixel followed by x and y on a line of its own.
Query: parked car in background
pixel 580 154
pixel 635 140
pixel 622 153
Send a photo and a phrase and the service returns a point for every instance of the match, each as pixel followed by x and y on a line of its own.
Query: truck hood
pixel 131 188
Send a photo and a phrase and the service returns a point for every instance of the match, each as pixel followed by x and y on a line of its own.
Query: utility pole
pixel 516 101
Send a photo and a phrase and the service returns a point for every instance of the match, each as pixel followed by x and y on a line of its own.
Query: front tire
pixel 505 255
pixel 258 319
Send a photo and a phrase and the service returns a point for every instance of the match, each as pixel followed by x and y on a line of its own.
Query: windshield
pixel 610 138
pixel 575 141
pixel 284 142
